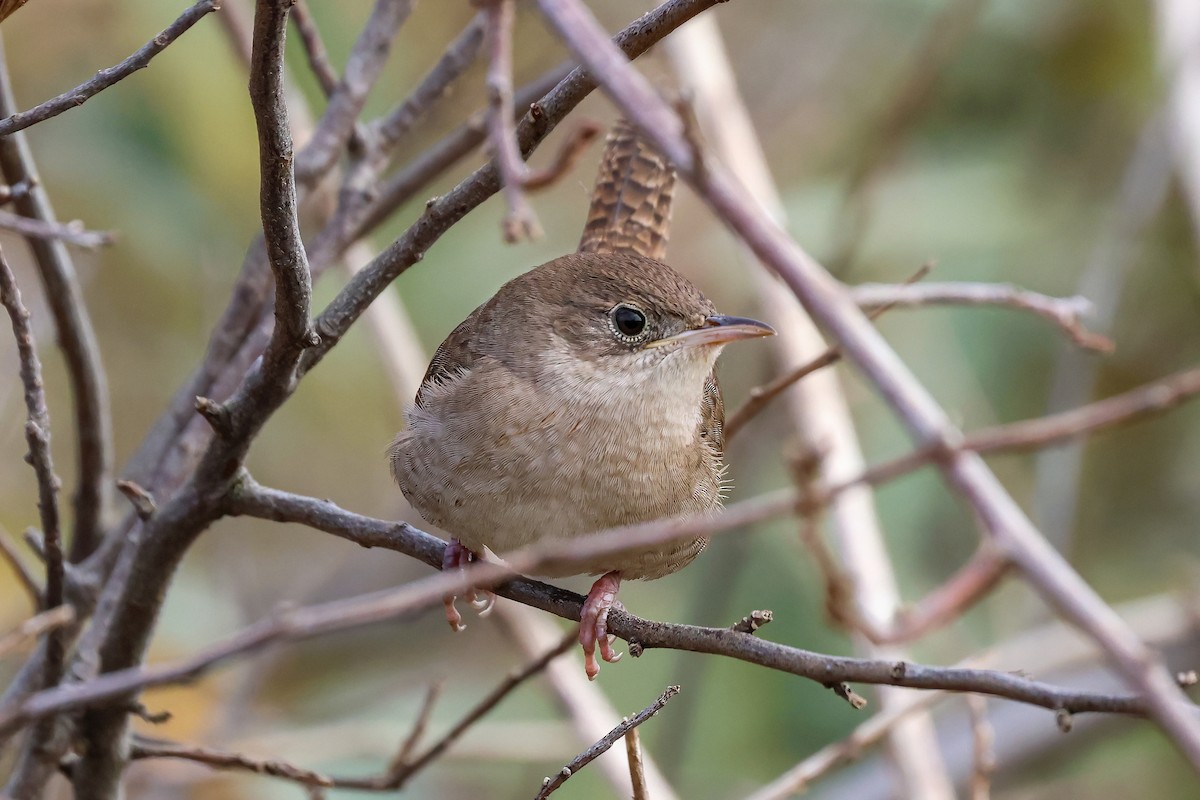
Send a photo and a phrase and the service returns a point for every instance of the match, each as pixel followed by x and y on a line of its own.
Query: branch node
pixel 215 414
pixel 752 621
pixel 899 670
pixel 636 649
pixel 1064 720
pixel 843 690
pixel 142 500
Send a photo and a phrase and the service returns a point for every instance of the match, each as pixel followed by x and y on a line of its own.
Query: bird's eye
pixel 628 320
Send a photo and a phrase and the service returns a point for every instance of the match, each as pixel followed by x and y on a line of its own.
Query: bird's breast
pixel 503 463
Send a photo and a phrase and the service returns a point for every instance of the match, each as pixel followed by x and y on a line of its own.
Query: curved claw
pixel 483 603
pixel 452 615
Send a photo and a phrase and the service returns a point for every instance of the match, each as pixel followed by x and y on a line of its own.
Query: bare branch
pixel 637 767
pixel 402 769
pixel 145 748
pixel 306 622
pixel 314 48
pixel 520 222
pixel 8 549
pixel 761 396
pixel 460 54
pixel 1064 312
pixel 107 77
pixel 984 751
pixel 1136 404
pixel 549 785
pixel 76 338
pixel 37 436
pixel 832 307
pixel 72 233
pixel 566 157
pixel 363 68
pixel 36 626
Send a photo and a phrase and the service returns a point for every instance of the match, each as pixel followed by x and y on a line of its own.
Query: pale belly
pixel 496 481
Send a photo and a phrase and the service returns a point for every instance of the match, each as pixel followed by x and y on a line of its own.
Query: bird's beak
pixel 717 330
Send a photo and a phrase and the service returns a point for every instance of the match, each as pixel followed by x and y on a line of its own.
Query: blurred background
pixel 994 139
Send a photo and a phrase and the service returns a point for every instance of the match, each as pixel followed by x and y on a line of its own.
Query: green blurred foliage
pixel 1009 173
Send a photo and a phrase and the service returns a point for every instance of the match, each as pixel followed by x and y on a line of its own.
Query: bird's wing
pixel 454 356
pixel 631 202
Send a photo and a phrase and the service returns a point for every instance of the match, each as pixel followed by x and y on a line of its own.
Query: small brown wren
pixel 580 397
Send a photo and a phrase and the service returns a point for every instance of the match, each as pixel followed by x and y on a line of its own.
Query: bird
pixel 582 396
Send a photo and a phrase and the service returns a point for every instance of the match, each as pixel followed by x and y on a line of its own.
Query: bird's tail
pixel 631 203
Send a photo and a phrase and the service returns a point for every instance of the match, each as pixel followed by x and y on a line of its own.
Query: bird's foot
pixel 593 623
pixel 457 556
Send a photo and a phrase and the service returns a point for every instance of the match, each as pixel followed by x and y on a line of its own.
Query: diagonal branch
pixel 105 78
pixel 608 740
pixel 829 303
pixel 363 69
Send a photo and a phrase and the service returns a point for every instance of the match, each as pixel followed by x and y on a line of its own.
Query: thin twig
pixel 983 748
pixel 549 785
pixel 72 233
pixel 566 157
pixel 146 748
pixel 402 769
pixel 403 756
pixel 830 305
pixel 1134 405
pixel 1065 312
pixel 637 768
pixel 107 77
pixel 37 436
pixel 520 222
pixel 363 68
pixel 24 573
pixel 314 48
pixel 318 62
pixel 459 55
pixel 761 396
pixel 35 626
pixel 75 335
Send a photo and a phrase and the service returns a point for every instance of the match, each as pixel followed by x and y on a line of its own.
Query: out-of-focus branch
pixel 35 626
pixel 76 339
pixel 1046 570
pixel 520 222
pixel 1144 401
pixel 363 69
pixel 23 572
pixel 73 233
pixel 17 121
pixel 761 396
pixel 1051 648
pixel 1179 55
pixel 549 785
pixel 146 748
pixel 404 769
pixel 37 437
pixel 1064 312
